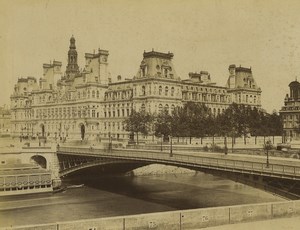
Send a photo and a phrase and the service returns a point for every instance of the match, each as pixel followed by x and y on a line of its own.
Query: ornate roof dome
pixel 294 84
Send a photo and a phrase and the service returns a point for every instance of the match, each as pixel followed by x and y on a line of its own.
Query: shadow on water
pixel 179 191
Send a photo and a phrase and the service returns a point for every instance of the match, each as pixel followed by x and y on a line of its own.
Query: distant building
pixel 86 104
pixel 290 113
pixel 5 118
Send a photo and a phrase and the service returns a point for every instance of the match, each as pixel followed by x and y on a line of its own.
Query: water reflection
pixel 105 195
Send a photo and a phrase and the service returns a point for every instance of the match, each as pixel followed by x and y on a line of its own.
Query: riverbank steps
pixel 187 219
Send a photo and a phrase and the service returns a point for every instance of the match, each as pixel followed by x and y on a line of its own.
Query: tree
pixel 163 125
pixel 275 123
pixel 138 122
pixel 254 123
pixel 230 123
pixel 195 118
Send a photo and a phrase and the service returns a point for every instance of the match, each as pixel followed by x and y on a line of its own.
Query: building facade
pixel 87 105
pixel 5 117
pixel 290 113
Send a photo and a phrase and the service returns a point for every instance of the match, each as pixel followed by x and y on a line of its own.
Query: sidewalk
pixel 292 223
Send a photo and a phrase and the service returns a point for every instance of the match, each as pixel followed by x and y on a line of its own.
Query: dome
pixel 294 84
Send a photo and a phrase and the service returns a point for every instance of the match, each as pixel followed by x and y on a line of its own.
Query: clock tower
pixel 72 67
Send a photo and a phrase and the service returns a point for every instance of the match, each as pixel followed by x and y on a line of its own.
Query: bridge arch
pixel 39 160
pixel 121 166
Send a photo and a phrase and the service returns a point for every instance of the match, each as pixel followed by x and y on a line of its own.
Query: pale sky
pixel 203 35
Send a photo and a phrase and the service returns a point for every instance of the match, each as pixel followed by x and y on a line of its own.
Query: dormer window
pixel 143 71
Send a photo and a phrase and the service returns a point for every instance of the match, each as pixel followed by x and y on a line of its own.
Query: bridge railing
pixel 278 170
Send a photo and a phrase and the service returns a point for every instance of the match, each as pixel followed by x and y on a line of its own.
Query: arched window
pixel 172 108
pixel 160 107
pixel 160 90
pixel 167 108
pixel 97 94
pixel 166 91
pixel 84 94
pixel 143 90
pixel 88 94
pixel 172 91
pixel 93 94
pixel 166 72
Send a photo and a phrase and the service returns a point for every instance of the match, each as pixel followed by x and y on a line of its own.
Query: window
pixel 166 91
pixel 166 72
pixel 160 90
pixel 172 91
pixel 167 108
pixel 143 90
pixel 97 94
pixel 93 94
pixel 143 108
pixel 93 113
pixel 160 108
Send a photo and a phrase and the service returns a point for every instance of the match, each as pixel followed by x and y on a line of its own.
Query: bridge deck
pixel 252 165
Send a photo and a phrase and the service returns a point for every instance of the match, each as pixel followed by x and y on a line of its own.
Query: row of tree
pixel 197 120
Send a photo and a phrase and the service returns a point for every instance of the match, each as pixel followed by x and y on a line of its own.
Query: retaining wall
pixel 180 220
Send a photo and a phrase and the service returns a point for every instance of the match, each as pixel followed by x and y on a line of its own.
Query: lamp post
pixel 267 147
pixel 171 147
pixel 161 142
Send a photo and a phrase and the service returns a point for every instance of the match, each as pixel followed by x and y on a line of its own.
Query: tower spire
pixel 72 67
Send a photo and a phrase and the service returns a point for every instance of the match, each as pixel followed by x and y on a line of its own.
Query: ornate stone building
pixel 88 105
pixel 290 113
pixel 4 121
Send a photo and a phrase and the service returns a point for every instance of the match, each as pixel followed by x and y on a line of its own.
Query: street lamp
pixel 267 147
pixel 161 142
pixel 171 149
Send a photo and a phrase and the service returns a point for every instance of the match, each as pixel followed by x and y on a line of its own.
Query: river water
pixel 105 196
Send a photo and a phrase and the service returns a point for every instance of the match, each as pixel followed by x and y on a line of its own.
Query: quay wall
pixel 180 220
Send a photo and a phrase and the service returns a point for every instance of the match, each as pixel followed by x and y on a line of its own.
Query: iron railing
pixel 191 161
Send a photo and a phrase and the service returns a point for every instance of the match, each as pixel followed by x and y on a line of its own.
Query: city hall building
pixel 87 105
pixel 290 113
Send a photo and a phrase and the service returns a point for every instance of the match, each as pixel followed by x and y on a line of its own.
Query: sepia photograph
pixel 149 114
